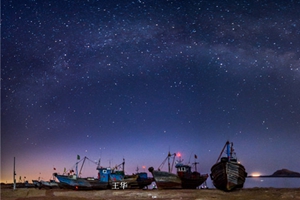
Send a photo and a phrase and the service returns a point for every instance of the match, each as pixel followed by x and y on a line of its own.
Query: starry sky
pixel 136 79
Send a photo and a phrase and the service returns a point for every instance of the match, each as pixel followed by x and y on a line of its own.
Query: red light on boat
pixel 179 154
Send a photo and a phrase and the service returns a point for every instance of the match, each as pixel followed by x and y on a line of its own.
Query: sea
pixel 266 182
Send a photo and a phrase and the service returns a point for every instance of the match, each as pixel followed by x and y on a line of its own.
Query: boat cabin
pixel 107 174
pixel 183 170
pixel 142 175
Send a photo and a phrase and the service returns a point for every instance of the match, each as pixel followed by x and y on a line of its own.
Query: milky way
pixel 136 79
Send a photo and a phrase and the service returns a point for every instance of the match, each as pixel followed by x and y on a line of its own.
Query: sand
pixel 200 194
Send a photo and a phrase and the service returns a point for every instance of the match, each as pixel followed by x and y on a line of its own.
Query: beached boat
pixel 189 179
pixel 165 180
pixel 77 183
pixel 139 180
pixel 228 174
pixel 49 184
pixel 184 179
pixel 107 178
pixel 143 180
pixel 36 183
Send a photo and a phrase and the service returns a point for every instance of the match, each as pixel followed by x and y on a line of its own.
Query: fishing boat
pixel 48 184
pixel 143 180
pixel 189 179
pixel 36 183
pixel 228 174
pixel 139 180
pixel 166 179
pixel 108 178
pixel 52 183
pixel 184 179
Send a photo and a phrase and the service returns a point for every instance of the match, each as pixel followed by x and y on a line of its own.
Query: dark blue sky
pixel 135 79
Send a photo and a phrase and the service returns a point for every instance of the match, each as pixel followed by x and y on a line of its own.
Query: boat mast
pixel 168 158
pixel 174 155
pixel 169 168
pixel 227 144
pixel 14 175
pixel 228 150
pixel 76 168
pixel 98 165
pixel 195 163
pixel 82 165
pixel 231 150
pixel 123 165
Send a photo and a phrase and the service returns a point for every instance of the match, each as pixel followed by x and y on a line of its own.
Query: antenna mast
pixel 195 163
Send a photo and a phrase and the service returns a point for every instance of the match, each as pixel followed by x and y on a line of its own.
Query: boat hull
pixel 193 183
pixel 48 184
pixel 36 183
pixel 137 182
pixel 81 183
pixel 227 175
pixel 143 183
pixel 165 180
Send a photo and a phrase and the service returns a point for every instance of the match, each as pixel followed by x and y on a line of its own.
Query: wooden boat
pixel 138 180
pixel 77 183
pixel 166 179
pixel 107 178
pixel 189 179
pixel 36 183
pixel 29 185
pixel 184 179
pixel 49 184
pixel 143 180
pixel 228 174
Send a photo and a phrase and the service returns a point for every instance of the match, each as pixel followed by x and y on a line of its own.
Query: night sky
pixel 136 79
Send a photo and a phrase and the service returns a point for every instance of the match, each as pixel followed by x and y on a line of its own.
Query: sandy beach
pixel 200 194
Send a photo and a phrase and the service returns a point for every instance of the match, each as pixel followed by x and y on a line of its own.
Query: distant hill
pixel 286 173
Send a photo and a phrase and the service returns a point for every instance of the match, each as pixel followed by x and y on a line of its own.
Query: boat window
pixel 104 171
pixel 181 169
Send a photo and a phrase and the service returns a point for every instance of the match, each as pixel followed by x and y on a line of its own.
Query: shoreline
pixel 185 194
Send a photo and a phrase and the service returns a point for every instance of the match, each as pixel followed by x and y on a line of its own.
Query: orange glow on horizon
pixel 256 174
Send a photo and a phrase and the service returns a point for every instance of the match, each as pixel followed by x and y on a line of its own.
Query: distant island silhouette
pixel 286 172
pixel 280 173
